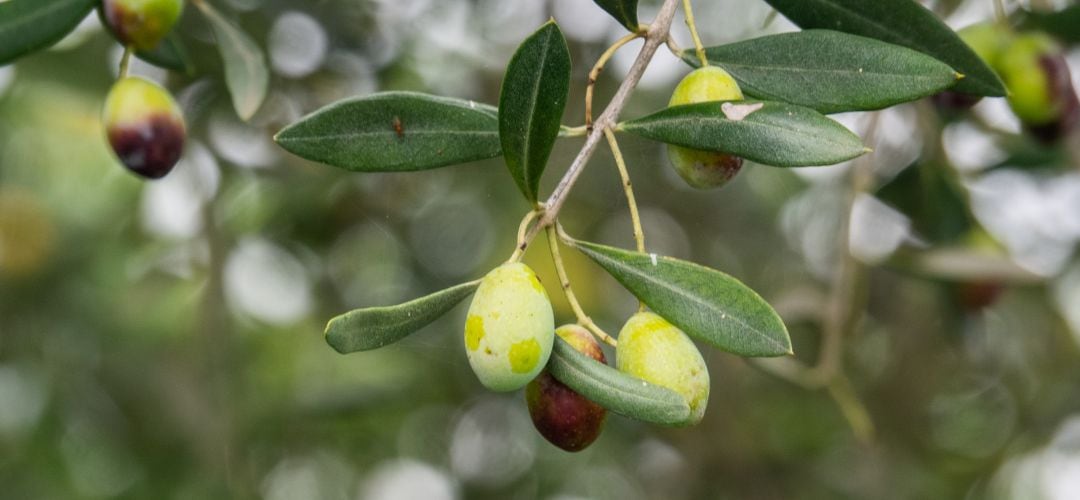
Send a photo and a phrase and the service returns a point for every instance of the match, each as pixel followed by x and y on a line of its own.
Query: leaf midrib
pixel 534 98
pixel 724 313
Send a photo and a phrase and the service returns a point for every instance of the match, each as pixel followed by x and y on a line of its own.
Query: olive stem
pixel 655 35
pixel 125 61
pixel 522 244
pixel 853 410
pixel 594 74
pixel 564 282
pixel 628 188
pixel 698 47
pixel 999 13
pixel 673 47
pixel 841 315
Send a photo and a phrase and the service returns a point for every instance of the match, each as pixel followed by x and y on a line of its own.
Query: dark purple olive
pixel 144 126
pixel 564 417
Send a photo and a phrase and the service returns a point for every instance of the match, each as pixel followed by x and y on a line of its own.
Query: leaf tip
pixel 866 150
pixel 332 338
pixel 960 76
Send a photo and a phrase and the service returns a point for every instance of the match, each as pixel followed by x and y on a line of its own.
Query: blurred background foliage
pixel 163 339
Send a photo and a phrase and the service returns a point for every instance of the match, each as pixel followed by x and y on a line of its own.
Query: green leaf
pixel 624 394
pixel 246 74
pixel 773 133
pixel 531 104
pixel 395 132
pixel 830 71
pixel 375 327
pixel 624 11
pixel 901 22
pixel 1063 24
pixel 31 25
pixel 169 54
pixel 705 303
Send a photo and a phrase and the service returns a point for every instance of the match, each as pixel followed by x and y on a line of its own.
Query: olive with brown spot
pixel 564 417
pixel 141 23
pixel 144 126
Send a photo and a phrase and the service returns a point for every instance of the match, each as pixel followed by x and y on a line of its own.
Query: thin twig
pixel 635 219
pixel 698 47
pixel 594 74
pixel 656 34
pixel 519 249
pixel 564 281
pixel 628 188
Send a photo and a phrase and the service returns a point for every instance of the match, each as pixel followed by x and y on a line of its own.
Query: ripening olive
pixel 510 328
pixel 141 23
pixel 704 169
pixel 656 351
pixel 988 40
pixel 1041 91
pixel 564 417
pixel 144 126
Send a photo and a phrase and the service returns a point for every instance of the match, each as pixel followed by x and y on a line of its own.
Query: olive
pixel 510 328
pixel 656 351
pixel 144 126
pixel 704 169
pixel 141 23
pixel 564 417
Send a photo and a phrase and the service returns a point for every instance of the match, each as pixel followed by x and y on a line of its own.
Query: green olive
pixel 510 328
pixel 1041 91
pixel 141 23
pixel 705 169
pixel 144 126
pixel 656 351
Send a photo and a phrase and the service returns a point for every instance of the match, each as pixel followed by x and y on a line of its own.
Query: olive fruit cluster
pixel 143 123
pixel 1032 65
pixel 509 332
pixel 705 169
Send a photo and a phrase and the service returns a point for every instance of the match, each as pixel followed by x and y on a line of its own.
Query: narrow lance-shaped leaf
pixel 395 132
pixel 246 74
pixel 771 133
pixel 624 394
pixel 531 104
pixel 830 71
pixel 30 25
pixel 902 22
pixel 169 54
pixel 624 11
pixel 707 304
pixel 375 327
pixel 1063 24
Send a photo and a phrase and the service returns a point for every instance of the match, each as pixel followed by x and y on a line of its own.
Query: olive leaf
pixel 30 25
pixel 621 393
pixel 1063 24
pixel 830 71
pixel 901 22
pixel 705 303
pixel 531 103
pixel 170 53
pixel 246 74
pixel 771 133
pixel 374 327
pixel 624 11
pixel 395 132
